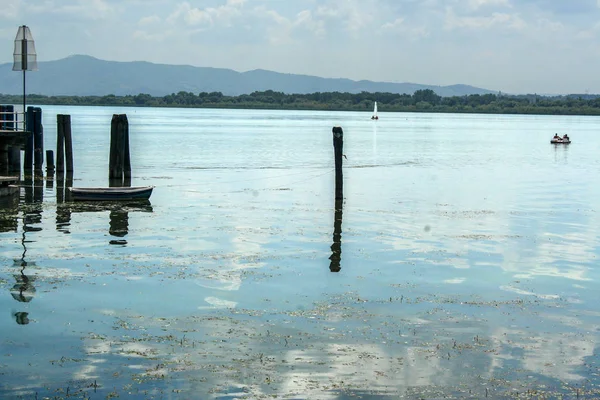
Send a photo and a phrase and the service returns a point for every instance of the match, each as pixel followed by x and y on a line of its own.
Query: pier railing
pixel 12 120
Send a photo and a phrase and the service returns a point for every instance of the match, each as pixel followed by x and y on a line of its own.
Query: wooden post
pixel 338 146
pixel 60 146
pixel 118 135
pixel 38 139
pixel 126 155
pixel 49 162
pixel 28 161
pixel 38 186
pixel 68 143
pixel 336 247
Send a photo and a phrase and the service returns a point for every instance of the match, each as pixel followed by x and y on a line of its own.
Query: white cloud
pixel 476 4
pixel 400 27
pixel 496 19
pixel 9 9
pixel 152 20
pixel 355 15
pixel 193 16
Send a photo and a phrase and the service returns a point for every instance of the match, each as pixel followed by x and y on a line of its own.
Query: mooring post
pixel 68 139
pixel 38 139
pixel 28 159
pixel 119 151
pixel 126 155
pixel 49 162
pixel 336 247
pixel 115 162
pixel 60 146
pixel 338 147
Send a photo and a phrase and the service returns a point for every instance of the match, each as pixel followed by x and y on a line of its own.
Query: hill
pixel 82 75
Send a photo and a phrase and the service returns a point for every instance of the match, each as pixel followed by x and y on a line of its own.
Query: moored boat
pixel 111 193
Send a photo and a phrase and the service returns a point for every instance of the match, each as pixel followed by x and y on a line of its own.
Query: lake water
pixel 468 265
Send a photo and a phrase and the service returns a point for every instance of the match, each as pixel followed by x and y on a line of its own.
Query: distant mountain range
pixel 82 75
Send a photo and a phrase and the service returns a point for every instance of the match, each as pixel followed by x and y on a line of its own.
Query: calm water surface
pixel 468 265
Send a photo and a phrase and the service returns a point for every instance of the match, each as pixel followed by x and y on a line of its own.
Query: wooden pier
pixel 12 141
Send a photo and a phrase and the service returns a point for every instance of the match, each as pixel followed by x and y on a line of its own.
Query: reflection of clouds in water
pixel 344 367
pixel 553 355
pixel 463 239
pixel 218 303
pixel 528 293
pixel 455 281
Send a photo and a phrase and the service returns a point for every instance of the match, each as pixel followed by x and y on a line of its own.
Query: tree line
pixel 421 101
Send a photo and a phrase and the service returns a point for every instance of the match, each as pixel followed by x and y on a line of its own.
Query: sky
pixel 513 46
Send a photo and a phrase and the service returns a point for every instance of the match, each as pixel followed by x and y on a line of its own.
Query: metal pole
pixel 24 68
pixel 24 109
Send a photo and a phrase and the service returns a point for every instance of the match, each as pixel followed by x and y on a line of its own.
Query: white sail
pixel 375 112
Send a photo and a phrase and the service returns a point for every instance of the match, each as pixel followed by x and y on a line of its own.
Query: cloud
pixel 10 9
pixel 496 19
pixel 355 15
pixel 195 16
pixel 86 9
pixel 476 4
pixel 400 27
pixel 152 20
pixel 283 29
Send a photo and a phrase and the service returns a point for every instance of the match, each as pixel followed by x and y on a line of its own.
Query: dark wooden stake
pixel 60 146
pixel 126 155
pixel 49 162
pixel 336 247
pixel 338 147
pixel 119 169
pixel 68 143
pixel 28 159
pixel 38 139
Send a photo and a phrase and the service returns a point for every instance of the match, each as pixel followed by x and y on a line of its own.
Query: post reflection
pixel 118 225
pixel 9 213
pixel 63 208
pixel 23 290
pixel 336 247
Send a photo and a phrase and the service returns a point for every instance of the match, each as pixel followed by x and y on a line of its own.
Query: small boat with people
pixel 560 140
pixel 111 193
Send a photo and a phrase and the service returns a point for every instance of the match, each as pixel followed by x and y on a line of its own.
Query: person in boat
pixel 556 137
pixel 566 137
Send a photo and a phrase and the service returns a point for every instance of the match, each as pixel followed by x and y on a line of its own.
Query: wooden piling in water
pixel 336 246
pixel 119 169
pixel 126 155
pixel 68 138
pixel 29 147
pixel 60 145
pixel 49 162
pixel 338 147
pixel 38 139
